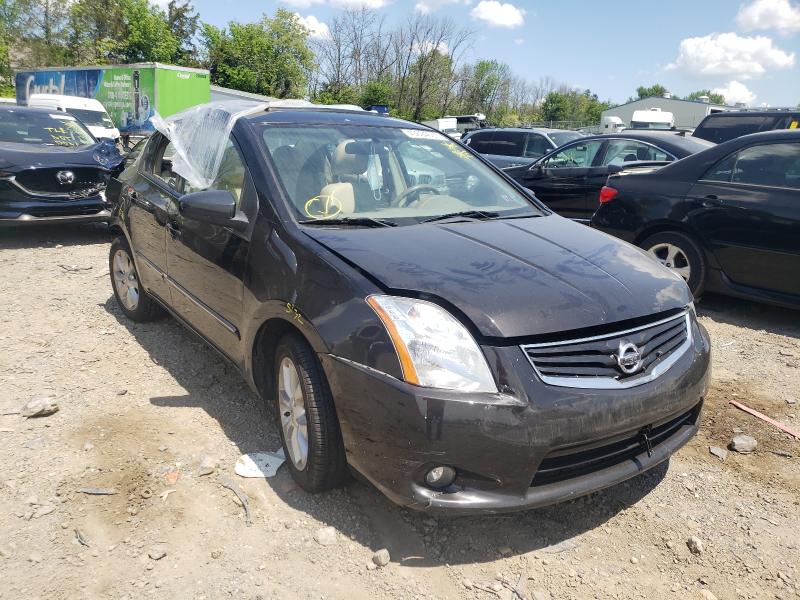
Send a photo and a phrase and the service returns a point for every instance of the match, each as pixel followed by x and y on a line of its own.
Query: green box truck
pixel 130 93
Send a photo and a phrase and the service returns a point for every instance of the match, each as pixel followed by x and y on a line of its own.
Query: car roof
pixel 545 130
pixel 754 113
pixel 27 109
pixel 321 116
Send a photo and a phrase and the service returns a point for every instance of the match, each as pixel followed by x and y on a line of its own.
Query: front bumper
pixel 499 443
pixel 30 211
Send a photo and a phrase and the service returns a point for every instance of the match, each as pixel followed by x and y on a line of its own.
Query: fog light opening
pixel 440 476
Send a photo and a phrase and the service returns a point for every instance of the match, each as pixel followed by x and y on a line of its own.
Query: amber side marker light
pixel 407 365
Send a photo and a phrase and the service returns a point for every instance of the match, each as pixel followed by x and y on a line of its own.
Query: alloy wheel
pixel 674 258
pixel 293 413
pixel 125 281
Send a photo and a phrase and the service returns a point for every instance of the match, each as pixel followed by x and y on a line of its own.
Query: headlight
pixel 435 349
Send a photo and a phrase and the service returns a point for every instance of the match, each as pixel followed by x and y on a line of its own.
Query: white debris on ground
pixel 158 526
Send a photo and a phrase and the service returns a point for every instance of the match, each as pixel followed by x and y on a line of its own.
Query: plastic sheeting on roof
pixel 200 134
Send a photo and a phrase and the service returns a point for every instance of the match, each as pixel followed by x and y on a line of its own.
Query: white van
pixel 655 118
pixel 90 111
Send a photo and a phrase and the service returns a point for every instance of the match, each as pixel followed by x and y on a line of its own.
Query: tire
pixel 680 253
pixel 324 465
pixel 131 298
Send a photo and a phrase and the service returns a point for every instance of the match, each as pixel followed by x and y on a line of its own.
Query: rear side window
pixel 774 165
pixel 480 141
pixel 506 143
pixel 619 152
pixel 769 164
pixel 722 171
pixel 721 128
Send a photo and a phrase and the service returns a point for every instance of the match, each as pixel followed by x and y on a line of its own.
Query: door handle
pixel 174 231
pixel 711 201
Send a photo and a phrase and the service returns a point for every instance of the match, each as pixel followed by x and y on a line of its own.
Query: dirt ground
pixel 140 405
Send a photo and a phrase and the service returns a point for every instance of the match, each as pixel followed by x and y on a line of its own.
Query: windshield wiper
pixel 359 221
pixel 469 214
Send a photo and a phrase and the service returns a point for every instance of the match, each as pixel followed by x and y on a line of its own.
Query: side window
pixel 231 174
pixel 578 155
pixel 536 146
pixel 480 142
pixel 768 164
pixel 619 152
pixel 162 165
pixel 722 171
pixel 507 143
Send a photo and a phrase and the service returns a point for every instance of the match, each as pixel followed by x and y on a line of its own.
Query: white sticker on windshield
pixel 62 117
pixel 421 134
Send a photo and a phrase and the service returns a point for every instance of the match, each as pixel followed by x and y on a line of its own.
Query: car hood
pixel 514 277
pixel 17 156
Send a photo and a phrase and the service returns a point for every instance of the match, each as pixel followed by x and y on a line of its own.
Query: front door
pixel 748 208
pixel 560 180
pixel 206 262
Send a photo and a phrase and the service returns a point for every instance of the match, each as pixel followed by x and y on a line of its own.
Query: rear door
pixel 748 208
pixel 206 262
pixel 560 180
pixel 151 198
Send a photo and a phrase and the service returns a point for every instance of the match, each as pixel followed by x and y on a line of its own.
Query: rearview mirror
pixel 210 206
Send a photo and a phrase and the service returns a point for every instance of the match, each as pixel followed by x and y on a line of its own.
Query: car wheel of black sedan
pixel 132 299
pixel 678 252
pixel 307 418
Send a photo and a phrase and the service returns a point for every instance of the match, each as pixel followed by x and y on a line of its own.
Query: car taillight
pixel 607 194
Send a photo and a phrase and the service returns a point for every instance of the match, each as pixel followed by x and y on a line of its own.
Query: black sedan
pixel 569 178
pixel 52 169
pixel 726 220
pixel 437 337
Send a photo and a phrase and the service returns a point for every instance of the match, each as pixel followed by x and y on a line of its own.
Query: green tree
pixel 96 31
pixel 270 57
pixel 376 92
pixel 342 94
pixel 9 16
pixel 713 97
pixel 148 35
pixel 184 23
pixel 655 90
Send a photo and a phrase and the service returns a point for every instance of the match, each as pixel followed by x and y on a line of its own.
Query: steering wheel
pixel 414 189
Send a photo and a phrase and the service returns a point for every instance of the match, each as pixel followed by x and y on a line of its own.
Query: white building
pixel 687 113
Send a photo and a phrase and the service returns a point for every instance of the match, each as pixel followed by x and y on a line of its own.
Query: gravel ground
pixel 142 405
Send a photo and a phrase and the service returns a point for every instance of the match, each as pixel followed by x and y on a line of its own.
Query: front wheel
pixel 133 300
pixel 307 418
pixel 681 254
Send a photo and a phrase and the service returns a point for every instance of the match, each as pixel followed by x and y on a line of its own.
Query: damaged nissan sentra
pixel 410 312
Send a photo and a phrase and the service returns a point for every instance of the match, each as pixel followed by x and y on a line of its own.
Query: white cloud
pixel 317 28
pixel 359 3
pixel 427 46
pixel 728 54
pixel 519 41
pixel 735 92
pixel 338 3
pixel 780 15
pixel 428 6
pixel 498 14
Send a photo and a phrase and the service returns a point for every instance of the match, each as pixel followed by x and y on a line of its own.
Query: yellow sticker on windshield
pixel 793 125
pixel 457 150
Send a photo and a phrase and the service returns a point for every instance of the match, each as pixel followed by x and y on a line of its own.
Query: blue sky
pixel 749 50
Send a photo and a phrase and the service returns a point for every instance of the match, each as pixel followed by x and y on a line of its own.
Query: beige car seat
pixel 348 165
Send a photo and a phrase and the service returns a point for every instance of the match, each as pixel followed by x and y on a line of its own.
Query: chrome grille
pixel 615 360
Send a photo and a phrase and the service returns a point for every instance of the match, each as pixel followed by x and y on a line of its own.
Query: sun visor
pixel 200 134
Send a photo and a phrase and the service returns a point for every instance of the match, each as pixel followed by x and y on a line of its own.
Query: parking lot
pixel 143 405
